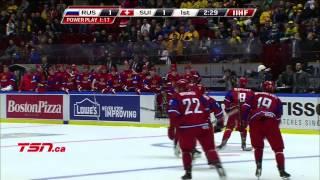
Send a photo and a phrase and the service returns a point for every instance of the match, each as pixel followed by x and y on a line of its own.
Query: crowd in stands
pixel 32 33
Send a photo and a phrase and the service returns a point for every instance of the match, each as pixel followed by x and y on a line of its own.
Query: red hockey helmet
pixel 182 84
pixel 243 82
pixel 269 86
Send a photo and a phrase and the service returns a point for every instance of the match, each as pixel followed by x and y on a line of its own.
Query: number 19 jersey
pixel 264 105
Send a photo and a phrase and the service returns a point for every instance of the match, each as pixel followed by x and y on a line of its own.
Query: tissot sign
pixel 300 111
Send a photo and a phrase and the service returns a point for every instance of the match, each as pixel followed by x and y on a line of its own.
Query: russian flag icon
pixel 72 13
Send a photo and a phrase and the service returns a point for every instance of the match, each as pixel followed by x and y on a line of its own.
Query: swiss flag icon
pixel 126 12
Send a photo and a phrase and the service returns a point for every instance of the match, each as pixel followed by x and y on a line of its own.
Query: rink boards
pixel 301 111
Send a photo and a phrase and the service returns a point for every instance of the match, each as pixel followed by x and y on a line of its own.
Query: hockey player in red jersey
pixel 39 80
pixel 84 79
pixel 7 80
pixel 172 75
pixel 191 75
pixel 188 114
pixel 144 73
pixel 233 101
pixel 153 83
pixel 265 111
pixel 26 82
pixel 60 73
pixel 52 81
pixel 114 81
pixel 127 77
pixel 69 83
pixel 100 81
pixel 137 83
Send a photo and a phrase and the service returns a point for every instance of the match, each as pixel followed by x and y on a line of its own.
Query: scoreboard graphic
pixel 107 15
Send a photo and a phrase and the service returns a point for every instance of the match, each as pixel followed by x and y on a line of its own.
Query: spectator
pixel 157 32
pixel 153 25
pixel 253 46
pixel 23 6
pixel 265 16
pixel 203 3
pixel 45 12
pixel 10 27
pixel 234 44
pixel 3 21
pixel 12 7
pixel 309 45
pixel 192 34
pixel 280 15
pixel 264 74
pixel 300 80
pixel 145 26
pixel 175 46
pixel 296 46
pixel 10 51
pixel 235 39
pixel 173 33
pixel 292 29
pixel 205 44
pixel 265 32
pixel 286 77
pixel 35 57
pixel 186 4
pixel 275 35
pixel 183 34
pixel 165 56
pixel 230 79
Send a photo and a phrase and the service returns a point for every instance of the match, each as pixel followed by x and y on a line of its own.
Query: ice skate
pixel 284 175
pixel 187 175
pixel 245 148
pixel 258 170
pixel 220 171
pixel 222 145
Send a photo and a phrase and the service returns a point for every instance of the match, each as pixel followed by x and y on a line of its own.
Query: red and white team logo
pixel 127 12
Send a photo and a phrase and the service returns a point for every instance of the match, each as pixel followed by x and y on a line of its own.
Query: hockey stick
pixel 95 101
pixel 148 109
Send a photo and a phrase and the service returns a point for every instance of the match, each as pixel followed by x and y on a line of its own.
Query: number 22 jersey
pixel 192 109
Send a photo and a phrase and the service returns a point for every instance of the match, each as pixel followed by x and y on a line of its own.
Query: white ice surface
pixel 122 153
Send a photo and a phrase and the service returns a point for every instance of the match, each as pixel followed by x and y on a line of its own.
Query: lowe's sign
pixel 105 107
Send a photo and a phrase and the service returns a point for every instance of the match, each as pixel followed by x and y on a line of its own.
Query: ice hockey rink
pixel 136 153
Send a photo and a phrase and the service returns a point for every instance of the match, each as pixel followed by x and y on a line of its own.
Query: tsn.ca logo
pixel 40 147
pixel 40 107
